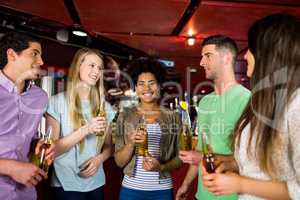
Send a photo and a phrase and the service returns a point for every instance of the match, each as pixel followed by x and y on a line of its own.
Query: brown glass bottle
pixel 185 138
pixel 101 113
pixel 208 156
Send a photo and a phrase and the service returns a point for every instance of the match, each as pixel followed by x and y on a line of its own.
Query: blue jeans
pixel 130 194
pixel 60 194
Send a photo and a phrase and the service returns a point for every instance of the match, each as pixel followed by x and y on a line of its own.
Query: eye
pixel 100 67
pixel 140 84
pixel 35 54
pixel 152 83
pixel 92 65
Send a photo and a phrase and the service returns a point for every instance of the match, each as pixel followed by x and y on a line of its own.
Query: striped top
pixel 148 180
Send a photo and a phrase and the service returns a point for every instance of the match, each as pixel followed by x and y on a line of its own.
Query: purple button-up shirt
pixel 20 115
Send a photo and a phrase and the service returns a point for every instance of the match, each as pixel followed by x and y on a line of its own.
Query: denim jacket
pixel 170 125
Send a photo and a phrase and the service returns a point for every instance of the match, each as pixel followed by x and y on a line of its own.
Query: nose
pixel 146 86
pixel 40 61
pixel 245 55
pixel 202 63
pixel 98 70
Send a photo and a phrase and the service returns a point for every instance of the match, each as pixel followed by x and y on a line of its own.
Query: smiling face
pixel 211 61
pixel 147 88
pixel 27 63
pixel 90 69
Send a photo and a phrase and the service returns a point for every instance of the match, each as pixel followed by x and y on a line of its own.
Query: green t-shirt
pixel 217 116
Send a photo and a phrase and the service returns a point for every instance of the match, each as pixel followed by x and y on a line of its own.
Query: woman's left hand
pixel 90 167
pixel 221 184
pixel 151 164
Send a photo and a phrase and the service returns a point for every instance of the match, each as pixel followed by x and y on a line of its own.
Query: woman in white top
pixel 267 137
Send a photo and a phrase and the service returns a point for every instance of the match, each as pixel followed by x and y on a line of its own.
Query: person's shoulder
pixel 129 109
pixel 242 89
pixel 58 97
pixel 39 94
pixel 167 111
pixel 294 101
pixel 241 92
pixel 207 97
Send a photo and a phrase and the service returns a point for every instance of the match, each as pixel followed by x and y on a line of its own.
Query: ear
pixel 227 59
pixel 11 54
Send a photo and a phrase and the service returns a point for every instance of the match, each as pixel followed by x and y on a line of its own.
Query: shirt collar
pixel 6 83
pixel 10 86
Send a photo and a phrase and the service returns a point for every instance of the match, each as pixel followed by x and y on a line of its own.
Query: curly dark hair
pixel 144 65
pixel 16 41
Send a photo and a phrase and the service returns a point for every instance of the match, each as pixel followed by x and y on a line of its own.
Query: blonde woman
pixel 73 115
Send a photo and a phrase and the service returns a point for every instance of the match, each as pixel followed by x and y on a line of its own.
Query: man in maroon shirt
pixel 22 105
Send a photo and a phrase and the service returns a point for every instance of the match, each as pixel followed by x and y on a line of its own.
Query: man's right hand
pixel 182 192
pixel 25 173
pixel 190 157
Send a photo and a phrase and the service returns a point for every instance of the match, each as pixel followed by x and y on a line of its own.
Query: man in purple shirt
pixel 22 105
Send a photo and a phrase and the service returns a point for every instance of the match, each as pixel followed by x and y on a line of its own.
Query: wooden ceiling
pixel 158 27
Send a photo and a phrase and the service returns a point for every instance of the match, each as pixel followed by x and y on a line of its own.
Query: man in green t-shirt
pixel 218 111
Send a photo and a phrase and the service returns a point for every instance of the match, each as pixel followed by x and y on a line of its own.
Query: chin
pixel 91 84
pixel 148 100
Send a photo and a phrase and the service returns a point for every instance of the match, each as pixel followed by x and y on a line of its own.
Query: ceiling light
pixel 79 33
pixel 191 41
pixel 190 32
pixel 77 30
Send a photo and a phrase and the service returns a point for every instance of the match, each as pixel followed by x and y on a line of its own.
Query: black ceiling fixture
pixel 188 13
pixel 13 20
pixel 69 4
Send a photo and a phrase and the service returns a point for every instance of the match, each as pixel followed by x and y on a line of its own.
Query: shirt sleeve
pixel 120 142
pixel 293 120
pixel 243 102
pixel 110 113
pixel 53 108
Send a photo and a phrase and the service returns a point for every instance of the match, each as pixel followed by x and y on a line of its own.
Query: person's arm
pixel 230 183
pixel 107 147
pixel 124 155
pixel 190 176
pixel 22 172
pixel 170 165
pixel 90 167
pixel 226 163
pixel 293 130
pixel 273 190
pixel 64 144
pixel 123 151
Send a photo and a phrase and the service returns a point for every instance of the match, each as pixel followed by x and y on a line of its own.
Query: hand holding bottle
pixel 221 183
pixel 190 157
pixel 137 137
pixel 151 163
pixel 95 125
pixel 44 151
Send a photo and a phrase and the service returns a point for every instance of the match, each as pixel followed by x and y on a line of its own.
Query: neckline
pixel 227 91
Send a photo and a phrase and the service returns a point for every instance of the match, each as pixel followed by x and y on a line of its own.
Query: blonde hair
pixel 74 103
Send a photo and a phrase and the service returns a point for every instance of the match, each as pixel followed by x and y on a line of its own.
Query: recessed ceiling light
pixel 191 41
pixel 79 33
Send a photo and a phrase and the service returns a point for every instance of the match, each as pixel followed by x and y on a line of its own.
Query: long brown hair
pixel 275 43
pixel 74 103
